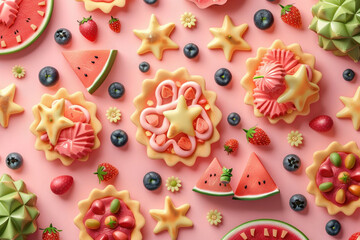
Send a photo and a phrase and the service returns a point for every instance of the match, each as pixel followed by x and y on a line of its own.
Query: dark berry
pixel 333 227
pixel 263 19
pixel 144 67
pixel 298 202
pixel 48 76
pixel 348 75
pixel 14 160
pixel 233 119
pixel 152 181
pixel 119 138
pixel 191 50
pixel 223 76
pixel 291 162
pixel 62 36
pixel 116 90
pixel 150 1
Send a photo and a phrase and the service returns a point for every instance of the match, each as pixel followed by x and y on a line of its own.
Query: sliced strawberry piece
pixel 201 125
pixel 189 94
pixel 152 119
pixel 75 115
pixel 166 92
pixel 184 143
pixel 160 139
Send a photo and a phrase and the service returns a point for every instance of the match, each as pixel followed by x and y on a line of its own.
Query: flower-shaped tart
pixel 335 178
pixel 65 127
pixel 281 82
pixel 104 5
pixel 176 117
pixel 109 214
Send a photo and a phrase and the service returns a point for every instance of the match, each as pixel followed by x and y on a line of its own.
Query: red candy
pixel 322 123
pixel 61 184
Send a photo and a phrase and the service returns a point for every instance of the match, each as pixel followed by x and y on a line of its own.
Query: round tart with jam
pixel 335 178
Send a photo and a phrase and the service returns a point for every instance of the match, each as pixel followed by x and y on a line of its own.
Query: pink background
pixel 132 161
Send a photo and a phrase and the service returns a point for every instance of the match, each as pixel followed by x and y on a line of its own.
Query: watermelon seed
pixel 214 174
pixel 85 75
pixel 220 184
pixel 245 186
pixel 205 182
pixel 248 176
pixel 264 181
pixel 78 68
pixel 93 62
pixel 96 57
pixel 259 183
pixel 210 175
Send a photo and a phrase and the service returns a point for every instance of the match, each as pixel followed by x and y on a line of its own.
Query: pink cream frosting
pixel 9 11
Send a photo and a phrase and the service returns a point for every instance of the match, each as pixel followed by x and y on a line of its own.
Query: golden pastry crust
pixel 76 98
pixel 319 157
pixel 140 102
pixel 253 63
pixel 106 7
pixel 109 191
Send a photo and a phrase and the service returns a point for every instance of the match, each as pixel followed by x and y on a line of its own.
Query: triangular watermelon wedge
pixel 256 182
pixel 210 183
pixel 91 66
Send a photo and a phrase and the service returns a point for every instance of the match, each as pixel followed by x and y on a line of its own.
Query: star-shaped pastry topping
pixel 229 38
pixel 171 218
pixel 181 119
pixel 156 38
pixel 351 109
pixel 298 89
pixel 53 120
pixel 7 105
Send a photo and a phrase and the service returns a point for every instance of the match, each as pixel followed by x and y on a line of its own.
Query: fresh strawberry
pixel 61 184
pixel 291 15
pixel 106 171
pixel 355 236
pixel 322 123
pixel 51 233
pixel 231 146
pixel 88 28
pixel 114 24
pixel 257 136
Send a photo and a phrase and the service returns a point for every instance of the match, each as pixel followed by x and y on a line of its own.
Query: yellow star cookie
pixel 351 109
pixel 229 38
pixel 104 5
pixel 7 105
pixel 156 38
pixel 181 119
pixel 171 218
pixel 53 120
pixel 299 89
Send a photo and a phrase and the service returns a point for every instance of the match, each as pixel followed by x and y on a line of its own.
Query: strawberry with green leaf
pixel 51 233
pixel 231 146
pixel 291 15
pixel 106 171
pixel 114 24
pixel 257 136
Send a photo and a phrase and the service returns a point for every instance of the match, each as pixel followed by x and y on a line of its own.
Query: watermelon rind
pixel 34 37
pixel 257 196
pixel 257 222
pixel 104 72
pixel 213 193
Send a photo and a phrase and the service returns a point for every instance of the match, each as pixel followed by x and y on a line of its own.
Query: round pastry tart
pixel 335 178
pixel 176 117
pixel 109 214
pixel 65 127
pixel 104 5
pixel 281 82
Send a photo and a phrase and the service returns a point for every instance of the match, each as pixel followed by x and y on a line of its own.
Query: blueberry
pixel 119 138
pixel 223 76
pixel 14 160
pixel 150 1
pixel 291 162
pixel 263 19
pixel 298 202
pixel 62 36
pixel 48 76
pixel 333 227
pixel 152 181
pixel 116 90
pixel 348 75
pixel 233 119
pixel 144 67
pixel 191 50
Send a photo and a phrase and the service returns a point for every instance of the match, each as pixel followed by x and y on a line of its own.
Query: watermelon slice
pixel 22 22
pixel 91 66
pixel 256 182
pixel 210 183
pixel 265 229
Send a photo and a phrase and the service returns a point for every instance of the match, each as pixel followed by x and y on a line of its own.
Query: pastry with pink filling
pixel 176 117
pixel 281 82
pixel 66 127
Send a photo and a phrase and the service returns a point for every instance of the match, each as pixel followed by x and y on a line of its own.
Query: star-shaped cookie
pixel 7 105
pixel 351 109
pixel 229 38
pixel 156 38
pixel 298 89
pixel 171 218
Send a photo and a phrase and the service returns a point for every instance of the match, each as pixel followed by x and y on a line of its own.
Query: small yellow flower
pixel 188 20
pixel 18 71
pixel 295 138
pixel 173 184
pixel 113 114
pixel 214 217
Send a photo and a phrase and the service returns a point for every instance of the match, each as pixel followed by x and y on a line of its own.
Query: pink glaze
pixel 285 57
pixel 9 11
pixel 103 1
pixel 270 76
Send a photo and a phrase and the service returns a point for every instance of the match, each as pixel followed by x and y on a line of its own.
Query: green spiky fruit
pixel 18 212
pixel 337 23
